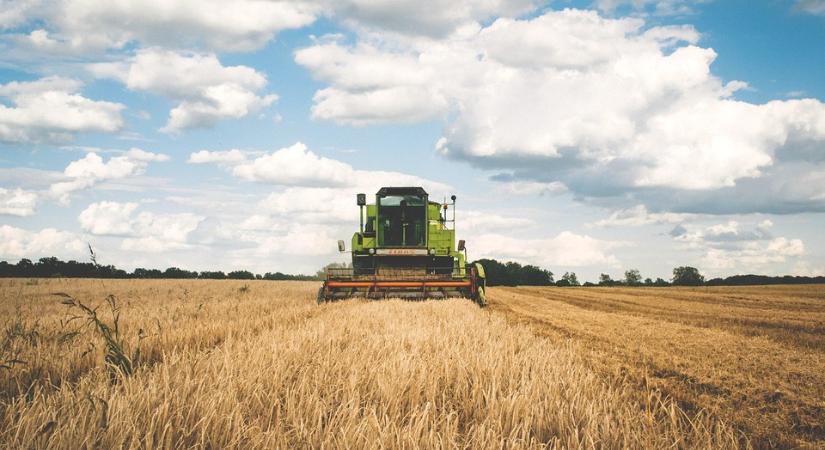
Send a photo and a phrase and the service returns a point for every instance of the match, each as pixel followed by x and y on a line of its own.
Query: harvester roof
pixel 402 191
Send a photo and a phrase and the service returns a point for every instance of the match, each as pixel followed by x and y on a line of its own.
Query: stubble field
pixel 232 364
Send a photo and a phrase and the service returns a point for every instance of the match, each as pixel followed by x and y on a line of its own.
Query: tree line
pixel 51 267
pixel 498 274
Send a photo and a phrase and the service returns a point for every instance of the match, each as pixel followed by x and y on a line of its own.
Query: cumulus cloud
pixel 659 7
pixel 227 157
pixel 205 90
pixel 145 231
pixel 434 19
pixel 298 166
pixel 638 216
pixel 91 169
pixel 52 110
pixel 607 107
pixel 730 246
pixel 567 249
pixel 20 243
pixel 79 25
pixel 533 187
pixel 17 202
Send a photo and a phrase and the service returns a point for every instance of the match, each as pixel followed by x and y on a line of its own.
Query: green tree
pixel 687 276
pixel 605 280
pixel 632 277
pixel 568 279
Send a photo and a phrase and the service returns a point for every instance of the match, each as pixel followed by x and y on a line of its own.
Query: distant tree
pixel 147 273
pixel 174 272
pixel 648 282
pixel 588 284
pixel 240 275
pixel 218 275
pixel 605 280
pixel 568 279
pixel 632 277
pixel 660 283
pixel 514 274
pixel 687 276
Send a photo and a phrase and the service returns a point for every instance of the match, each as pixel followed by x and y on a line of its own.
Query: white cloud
pixel 82 25
pixel 435 18
pixel 17 202
pixel 108 218
pixel 567 249
pixel 51 110
pixel 89 170
pixel 638 216
pixel 479 222
pixel 811 6
pixel 228 157
pixel 16 12
pixel 659 7
pixel 731 247
pixel 206 90
pixel 145 232
pixel 753 256
pixel 534 187
pixel 296 166
pixel 603 106
pixel 20 243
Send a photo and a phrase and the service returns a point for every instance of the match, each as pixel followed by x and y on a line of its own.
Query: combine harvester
pixel 406 249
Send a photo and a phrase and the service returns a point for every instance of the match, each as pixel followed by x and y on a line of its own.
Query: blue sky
pixel 581 136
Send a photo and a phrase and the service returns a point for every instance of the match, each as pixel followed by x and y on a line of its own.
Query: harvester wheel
pixel 481 298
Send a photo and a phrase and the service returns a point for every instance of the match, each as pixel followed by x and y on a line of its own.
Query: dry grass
pixel 752 356
pixel 219 366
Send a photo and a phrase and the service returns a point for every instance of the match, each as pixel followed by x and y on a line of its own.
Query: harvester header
pixel 405 247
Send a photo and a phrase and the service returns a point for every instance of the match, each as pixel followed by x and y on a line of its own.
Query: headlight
pixel 372 251
pixel 432 251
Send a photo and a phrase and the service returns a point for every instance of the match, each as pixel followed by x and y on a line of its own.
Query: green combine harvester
pixel 405 249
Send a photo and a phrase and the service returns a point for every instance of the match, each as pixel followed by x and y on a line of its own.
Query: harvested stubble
pixel 267 368
pixel 752 356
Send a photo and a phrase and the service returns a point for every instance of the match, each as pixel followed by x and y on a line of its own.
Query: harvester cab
pixel 405 248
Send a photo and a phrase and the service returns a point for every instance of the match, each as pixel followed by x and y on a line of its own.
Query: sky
pixel 585 136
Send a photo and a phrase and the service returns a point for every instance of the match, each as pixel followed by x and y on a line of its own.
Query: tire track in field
pixel 773 393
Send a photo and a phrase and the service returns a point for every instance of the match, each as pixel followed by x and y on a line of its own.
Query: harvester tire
pixel 481 298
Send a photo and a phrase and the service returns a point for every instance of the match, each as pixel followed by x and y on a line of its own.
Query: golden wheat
pixel 221 366
pixel 753 356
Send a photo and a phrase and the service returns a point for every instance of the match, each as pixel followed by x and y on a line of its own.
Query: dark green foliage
pixel 605 280
pixel 687 276
pixel 744 280
pixel 632 277
pixel 52 267
pixel 514 274
pixel 240 275
pixel 660 283
pixel 212 275
pixel 174 272
pixel 278 276
pixel 568 279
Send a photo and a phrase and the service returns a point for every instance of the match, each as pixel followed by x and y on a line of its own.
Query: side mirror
pixel 341 247
pixel 461 245
pixel 361 199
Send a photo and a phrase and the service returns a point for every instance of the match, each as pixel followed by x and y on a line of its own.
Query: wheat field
pixel 233 364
